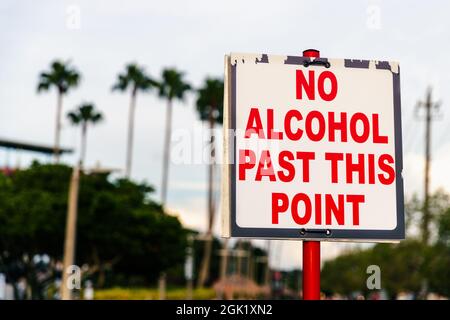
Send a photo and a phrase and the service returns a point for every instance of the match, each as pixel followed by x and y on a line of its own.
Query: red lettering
pixel 301 84
pixel 318 208
pixel 254 124
pixel 357 167
pixel 265 168
pixel 305 157
pixel 334 125
pixel 366 127
pixel 334 157
pixel 332 208
pixel 371 168
pixel 376 131
pixel 277 208
pixel 321 124
pixel 355 200
pixel 333 84
pixel 271 133
pixel 245 155
pixel 387 168
pixel 287 125
pixel 289 167
pixel 295 214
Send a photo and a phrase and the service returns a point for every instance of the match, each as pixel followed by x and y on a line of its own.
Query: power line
pixel 444 136
pixel 412 132
pixel 408 129
pixel 431 109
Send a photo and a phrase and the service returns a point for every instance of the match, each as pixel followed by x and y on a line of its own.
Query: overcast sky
pixel 194 36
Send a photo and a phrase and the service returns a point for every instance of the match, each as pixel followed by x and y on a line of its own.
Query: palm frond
pixel 210 100
pixel 134 77
pixel 172 84
pixel 73 118
pixel 85 113
pixel 61 75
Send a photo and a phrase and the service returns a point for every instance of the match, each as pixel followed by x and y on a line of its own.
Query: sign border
pixel 330 234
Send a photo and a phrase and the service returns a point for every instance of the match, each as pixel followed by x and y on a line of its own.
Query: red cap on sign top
pixel 311 249
pixel 311 53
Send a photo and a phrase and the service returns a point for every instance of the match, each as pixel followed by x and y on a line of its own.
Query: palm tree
pixel 210 109
pixel 63 77
pixel 172 87
pixel 83 115
pixel 134 78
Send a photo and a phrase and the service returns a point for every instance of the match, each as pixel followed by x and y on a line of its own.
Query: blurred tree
pixel 438 202
pixel 345 274
pixel 210 109
pixel 63 77
pixel 135 79
pixel 438 269
pixel 403 266
pixel 444 227
pixel 199 248
pixel 83 115
pixel 172 86
pixel 119 227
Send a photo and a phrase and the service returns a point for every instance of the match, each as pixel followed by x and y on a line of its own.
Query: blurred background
pixel 110 128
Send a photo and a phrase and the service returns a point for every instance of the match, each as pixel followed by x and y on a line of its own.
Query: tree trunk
pixel 101 277
pixel 70 237
pixel 267 271
pixel 164 183
pixel 162 286
pixel 204 272
pixel 166 152
pixel 239 259
pixel 58 127
pixel 224 260
pixel 83 144
pixel 130 134
pixel 249 267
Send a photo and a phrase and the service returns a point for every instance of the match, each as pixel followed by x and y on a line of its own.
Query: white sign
pixel 314 147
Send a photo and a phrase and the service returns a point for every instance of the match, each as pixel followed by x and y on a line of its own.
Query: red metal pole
pixel 311 249
pixel 311 270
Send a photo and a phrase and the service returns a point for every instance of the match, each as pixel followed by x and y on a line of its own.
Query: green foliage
pixel 135 78
pixel 119 227
pixel 438 202
pixel 402 266
pixel 61 75
pixel 438 267
pixel 214 270
pixel 444 228
pixel 345 274
pixel 172 85
pixel 84 113
pixel 152 294
pixel 210 100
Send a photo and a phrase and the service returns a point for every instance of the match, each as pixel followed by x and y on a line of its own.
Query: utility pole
pixel 430 107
